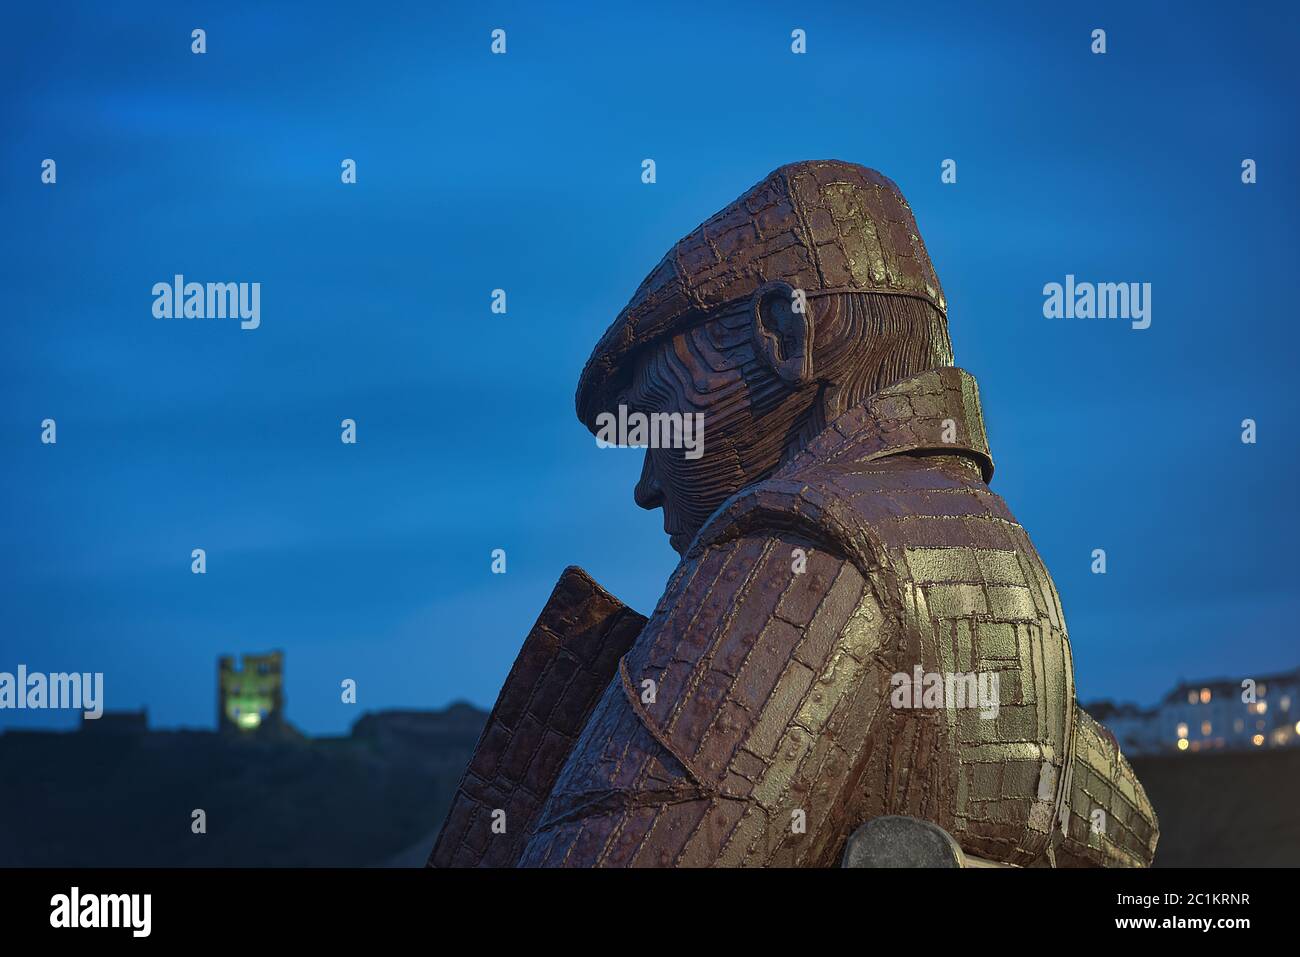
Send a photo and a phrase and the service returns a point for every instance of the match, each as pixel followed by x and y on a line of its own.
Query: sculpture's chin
pixel 680 542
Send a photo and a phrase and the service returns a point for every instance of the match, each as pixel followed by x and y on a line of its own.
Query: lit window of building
pixel 1211 716
pixel 251 695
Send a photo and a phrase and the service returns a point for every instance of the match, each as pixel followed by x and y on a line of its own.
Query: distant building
pixel 1136 729
pixel 1210 716
pixel 250 698
pixel 116 722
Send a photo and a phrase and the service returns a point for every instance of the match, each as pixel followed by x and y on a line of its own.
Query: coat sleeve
pixel 1111 822
pixel 565 664
pixel 730 732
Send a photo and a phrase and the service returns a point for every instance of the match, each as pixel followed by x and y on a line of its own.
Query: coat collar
pixel 936 411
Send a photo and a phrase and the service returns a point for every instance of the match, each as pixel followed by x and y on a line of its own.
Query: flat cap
pixel 821 225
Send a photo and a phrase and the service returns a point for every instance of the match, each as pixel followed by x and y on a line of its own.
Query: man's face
pixel 708 370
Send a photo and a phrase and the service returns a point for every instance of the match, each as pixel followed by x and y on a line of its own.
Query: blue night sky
pixel 522 171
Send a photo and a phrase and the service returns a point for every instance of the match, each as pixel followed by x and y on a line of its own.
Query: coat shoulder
pixel 862 509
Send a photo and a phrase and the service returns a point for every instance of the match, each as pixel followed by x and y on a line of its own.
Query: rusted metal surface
pixel 858 626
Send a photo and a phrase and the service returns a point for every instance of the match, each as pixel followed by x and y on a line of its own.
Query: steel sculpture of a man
pixel 858 627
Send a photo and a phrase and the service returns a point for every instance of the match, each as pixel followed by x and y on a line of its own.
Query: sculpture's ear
pixel 783 331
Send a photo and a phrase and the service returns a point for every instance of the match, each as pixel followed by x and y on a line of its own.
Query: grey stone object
pixel 896 841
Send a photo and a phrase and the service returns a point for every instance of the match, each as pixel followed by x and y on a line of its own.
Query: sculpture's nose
pixel 647 493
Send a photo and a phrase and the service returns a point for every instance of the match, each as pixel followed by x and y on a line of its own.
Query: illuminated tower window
pixel 251 696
